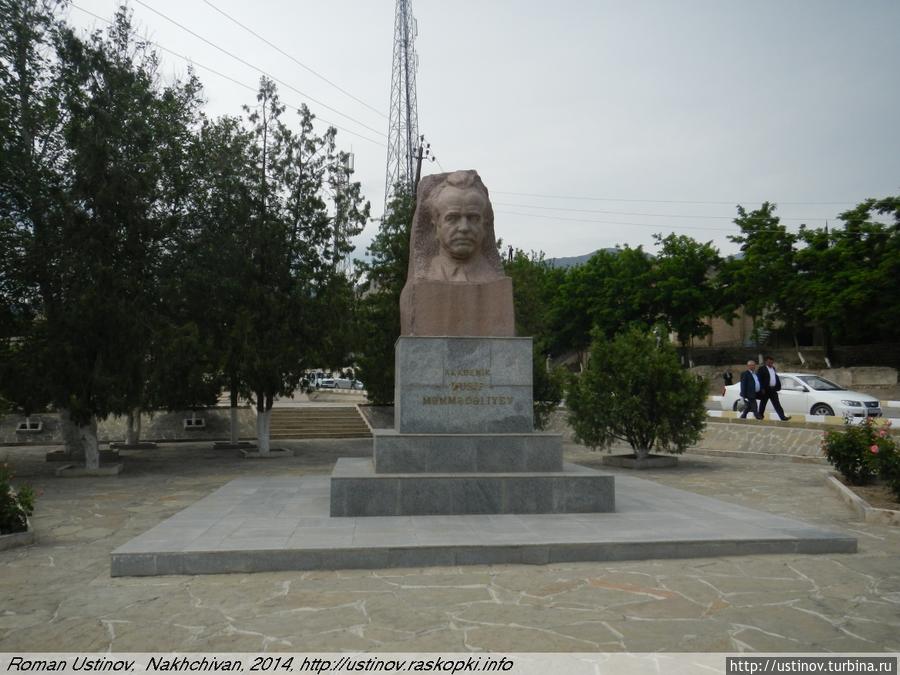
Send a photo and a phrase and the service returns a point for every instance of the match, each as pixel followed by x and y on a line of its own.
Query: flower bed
pixel 15 505
pixel 856 498
pixel 863 453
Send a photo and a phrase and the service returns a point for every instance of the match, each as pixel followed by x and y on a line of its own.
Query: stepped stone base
pixel 356 490
pixel 234 530
pixel 466 453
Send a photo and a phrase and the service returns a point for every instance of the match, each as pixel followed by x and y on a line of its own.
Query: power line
pixel 654 215
pixel 231 79
pixel 302 65
pixel 664 201
pixel 257 68
pixel 609 222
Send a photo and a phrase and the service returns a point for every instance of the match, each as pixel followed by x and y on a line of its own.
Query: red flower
pixel 874 449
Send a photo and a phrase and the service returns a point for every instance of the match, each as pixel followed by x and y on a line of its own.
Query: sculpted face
pixel 459 221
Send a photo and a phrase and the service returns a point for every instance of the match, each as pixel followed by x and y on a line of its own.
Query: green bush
pixel 634 389
pixel 861 452
pixel 548 389
pixel 15 505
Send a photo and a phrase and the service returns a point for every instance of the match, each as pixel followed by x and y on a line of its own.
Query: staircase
pixel 318 422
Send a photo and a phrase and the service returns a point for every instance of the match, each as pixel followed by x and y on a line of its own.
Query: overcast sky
pixel 592 123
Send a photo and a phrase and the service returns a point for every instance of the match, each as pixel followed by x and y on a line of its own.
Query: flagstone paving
pixel 58 594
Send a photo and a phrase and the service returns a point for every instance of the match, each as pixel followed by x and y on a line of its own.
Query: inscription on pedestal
pixel 469 385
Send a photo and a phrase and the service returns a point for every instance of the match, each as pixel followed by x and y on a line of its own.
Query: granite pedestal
pixel 463 441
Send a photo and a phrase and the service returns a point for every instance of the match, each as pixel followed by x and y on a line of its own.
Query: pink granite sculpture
pixel 455 284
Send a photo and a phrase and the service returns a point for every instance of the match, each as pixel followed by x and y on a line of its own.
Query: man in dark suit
pixel 750 390
pixel 771 385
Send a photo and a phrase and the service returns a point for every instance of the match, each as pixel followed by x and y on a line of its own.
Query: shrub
pixel 548 390
pixel 634 389
pixel 15 505
pixel 860 452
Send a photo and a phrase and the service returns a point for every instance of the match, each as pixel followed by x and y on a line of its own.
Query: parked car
pixel 808 394
pixel 347 383
pixel 327 383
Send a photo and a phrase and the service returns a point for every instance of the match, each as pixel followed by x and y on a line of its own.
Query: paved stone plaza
pixel 59 595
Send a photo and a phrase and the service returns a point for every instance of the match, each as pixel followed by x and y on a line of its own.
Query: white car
pixel 807 394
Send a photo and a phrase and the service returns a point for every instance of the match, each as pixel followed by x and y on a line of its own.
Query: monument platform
pixel 356 490
pixel 271 523
pixel 444 453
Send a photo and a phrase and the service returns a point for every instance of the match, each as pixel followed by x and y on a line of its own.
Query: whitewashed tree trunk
pixel 235 436
pixel 641 453
pixel 70 433
pixel 88 435
pixel 262 430
pixel 133 434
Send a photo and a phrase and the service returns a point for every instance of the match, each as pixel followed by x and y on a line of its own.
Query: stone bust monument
pixel 455 283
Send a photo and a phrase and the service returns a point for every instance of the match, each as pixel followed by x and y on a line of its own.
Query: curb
pixel 78 471
pixel 866 513
pixel 802 421
pixel 16 539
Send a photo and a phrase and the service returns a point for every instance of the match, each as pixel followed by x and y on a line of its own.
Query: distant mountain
pixel 575 260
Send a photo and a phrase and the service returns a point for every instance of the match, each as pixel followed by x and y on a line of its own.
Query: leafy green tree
pixel 535 284
pixel 32 194
pixel 291 300
pixel 635 390
pixel 92 187
pixel 612 290
pixel 210 266
pixel 683 292
pixel 764 279
pixel 850 275
pixel 379 309
pixel 124 134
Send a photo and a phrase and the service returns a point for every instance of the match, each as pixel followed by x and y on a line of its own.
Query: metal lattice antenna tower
pixel 403 130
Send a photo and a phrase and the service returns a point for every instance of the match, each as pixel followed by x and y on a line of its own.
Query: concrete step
pixel 303 435
pixel 356 490
pixel 318 422
pixel 321 430
pixel 349 416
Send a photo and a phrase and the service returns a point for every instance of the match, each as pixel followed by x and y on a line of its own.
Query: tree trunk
pixel 641 453
pixel 88 436
pixel 233 395
pixel 133 434
pixel 70 434
pixel 828 341
pixel 262 431
pixel 262 424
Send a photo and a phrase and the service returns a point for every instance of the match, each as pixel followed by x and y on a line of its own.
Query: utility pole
pixel 403 125
pixel 424 152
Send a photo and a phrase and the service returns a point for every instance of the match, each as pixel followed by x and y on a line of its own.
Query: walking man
pixel 750 389
pixel 771 385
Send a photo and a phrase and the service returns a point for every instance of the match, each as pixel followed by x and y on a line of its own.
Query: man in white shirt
pixel 771 385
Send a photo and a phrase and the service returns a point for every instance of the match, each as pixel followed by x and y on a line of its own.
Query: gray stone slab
pixel 463 385
pixel 274 453
pixel 469 453
pixel 650 521
pixel 631 462
pixel 79 470
pixel 356 490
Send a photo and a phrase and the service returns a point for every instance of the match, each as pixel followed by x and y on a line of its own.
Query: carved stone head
pixel 453 230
